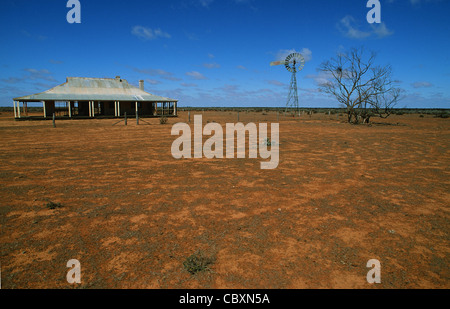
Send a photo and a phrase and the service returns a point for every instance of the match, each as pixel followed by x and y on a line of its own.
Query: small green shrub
pixel 52 205
pixel 197 262
pixel 163 120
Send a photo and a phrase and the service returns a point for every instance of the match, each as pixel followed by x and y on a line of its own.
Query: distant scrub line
pixel 438 112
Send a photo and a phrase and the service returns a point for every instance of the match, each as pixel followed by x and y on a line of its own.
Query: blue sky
pixel 217 52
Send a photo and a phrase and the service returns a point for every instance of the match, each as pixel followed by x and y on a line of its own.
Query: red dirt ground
pixel 132 214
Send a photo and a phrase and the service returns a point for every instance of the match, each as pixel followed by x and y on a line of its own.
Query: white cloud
pixel 418 100
pixel 276 83
pixel 33 75
pixel 39 74
pixel 381 30
pixel 307 54
pixel 211 65
pixel 188 85
pixel 320 78
pixel 12 80
pixel 157 72
pixel 422 85
pixel 145 33
pixel 153 81
pixel 349 27
pixel 283 53
pixel 196 75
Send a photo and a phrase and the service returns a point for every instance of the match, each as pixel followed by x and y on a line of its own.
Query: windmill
pixel 293 63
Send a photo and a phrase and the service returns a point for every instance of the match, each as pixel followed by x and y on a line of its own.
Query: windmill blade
pixel 281 62
pixel 276 63
pixel 296 60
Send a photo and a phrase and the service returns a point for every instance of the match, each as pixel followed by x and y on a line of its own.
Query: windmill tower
pixel 293 63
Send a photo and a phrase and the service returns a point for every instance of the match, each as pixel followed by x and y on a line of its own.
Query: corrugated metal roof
pixel 94 89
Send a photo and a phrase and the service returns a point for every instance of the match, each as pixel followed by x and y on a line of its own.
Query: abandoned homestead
pixel 96 97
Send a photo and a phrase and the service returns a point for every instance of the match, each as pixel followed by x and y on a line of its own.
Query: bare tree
pixel 364 89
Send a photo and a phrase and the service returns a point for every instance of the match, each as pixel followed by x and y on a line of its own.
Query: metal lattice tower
pixel 292 101
pixel 294 63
